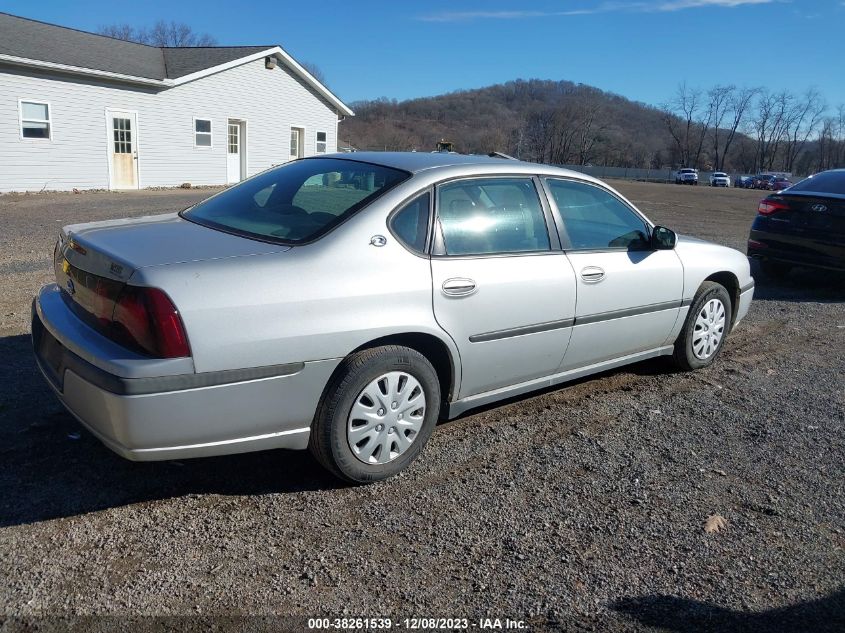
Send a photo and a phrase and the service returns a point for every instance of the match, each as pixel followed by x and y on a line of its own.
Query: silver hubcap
pixel 709 328
pixel 386 418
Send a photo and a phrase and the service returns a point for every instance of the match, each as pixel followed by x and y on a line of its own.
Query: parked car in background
pixel 719 179
pixel 761 181
pixel 743 182
pixel 779 183
pixel 802 226
pixel 686 176
pixel 346 303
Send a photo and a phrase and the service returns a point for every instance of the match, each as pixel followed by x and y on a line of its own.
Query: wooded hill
pixel 561 122
pixel 549 121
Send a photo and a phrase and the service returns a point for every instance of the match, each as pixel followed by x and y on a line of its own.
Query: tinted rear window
pixel 297 202
pixel 825 182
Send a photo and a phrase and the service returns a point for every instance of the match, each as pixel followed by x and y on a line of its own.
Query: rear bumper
pixel 797 250
pixel 184 415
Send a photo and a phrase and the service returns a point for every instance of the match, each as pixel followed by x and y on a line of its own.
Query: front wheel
pixel 707 324
pixel 376 414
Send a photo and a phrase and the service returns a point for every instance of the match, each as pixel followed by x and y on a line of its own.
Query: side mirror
pixel 663 239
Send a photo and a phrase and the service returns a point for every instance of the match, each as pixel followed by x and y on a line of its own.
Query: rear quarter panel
pixel 313 302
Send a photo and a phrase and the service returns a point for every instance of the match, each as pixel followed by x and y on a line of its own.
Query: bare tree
pixel 720 100
pixel 125 32
pixel 738 106
pixel 687 121
pixel 769 126
pixel 799 124
pixel 315 71
pixel 162 33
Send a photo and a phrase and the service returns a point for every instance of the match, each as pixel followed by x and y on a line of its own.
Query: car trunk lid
pixel 812 214
pixel 94 262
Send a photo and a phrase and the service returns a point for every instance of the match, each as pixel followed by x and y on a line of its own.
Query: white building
pixel 79 110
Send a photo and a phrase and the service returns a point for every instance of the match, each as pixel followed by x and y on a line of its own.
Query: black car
pixel 801 226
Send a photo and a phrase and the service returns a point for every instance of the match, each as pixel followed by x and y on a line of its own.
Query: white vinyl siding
pixel 271 100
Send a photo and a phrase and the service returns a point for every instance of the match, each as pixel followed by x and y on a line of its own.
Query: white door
pixel 629 295
pixel 234 153
pixel 123 149
pixel 500 290
pixel 297 139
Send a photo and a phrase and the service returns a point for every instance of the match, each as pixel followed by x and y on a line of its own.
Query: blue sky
pixel 641 50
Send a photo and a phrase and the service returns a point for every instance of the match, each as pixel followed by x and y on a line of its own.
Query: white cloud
pixel 462 16
pixel 677 5
pixel 604 7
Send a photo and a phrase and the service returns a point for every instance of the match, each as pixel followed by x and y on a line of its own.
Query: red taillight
pixel 147 318
pixel 768 207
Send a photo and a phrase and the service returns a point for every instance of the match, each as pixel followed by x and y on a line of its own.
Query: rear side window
pixel 410 223
pixel 596 219
pixel 297 202
pixel 491 215
pixel 825 182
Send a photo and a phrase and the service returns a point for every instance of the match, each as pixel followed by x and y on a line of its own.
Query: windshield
pixel 297 202
pixel 687 171
pixel 825 182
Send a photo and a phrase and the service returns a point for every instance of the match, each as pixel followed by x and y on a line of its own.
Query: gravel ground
pixel 580 508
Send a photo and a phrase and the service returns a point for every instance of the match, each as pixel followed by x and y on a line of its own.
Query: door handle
pixel 592 274
pixel 458 287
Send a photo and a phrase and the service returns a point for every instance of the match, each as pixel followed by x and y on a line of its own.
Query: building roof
pixel 30 39
pixel 179 62
pixel 32 43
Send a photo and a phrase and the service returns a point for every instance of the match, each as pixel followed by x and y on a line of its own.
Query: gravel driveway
pixel 580 508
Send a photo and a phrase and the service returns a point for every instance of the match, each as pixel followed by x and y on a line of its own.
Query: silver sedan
pixel 346 303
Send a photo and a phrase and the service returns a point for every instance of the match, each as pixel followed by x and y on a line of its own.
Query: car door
pixel 628 294
pixel 502 288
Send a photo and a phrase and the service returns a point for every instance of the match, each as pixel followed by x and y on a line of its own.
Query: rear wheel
pixel 376 414
pixel 705 329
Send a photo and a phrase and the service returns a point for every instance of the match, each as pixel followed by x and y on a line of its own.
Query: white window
pixel 321 142
pixel 35 120
pixel 202 132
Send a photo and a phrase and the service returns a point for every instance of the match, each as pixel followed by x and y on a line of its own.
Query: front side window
pixel 410 223
pixel 321 142
pixel 595 219
pixel 297 202
pixel 491 215
pixel 35 120
pixel 202 132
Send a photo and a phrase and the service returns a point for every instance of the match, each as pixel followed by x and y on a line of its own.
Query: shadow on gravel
pixel 53 468
pixel 801 285
pixel 823 615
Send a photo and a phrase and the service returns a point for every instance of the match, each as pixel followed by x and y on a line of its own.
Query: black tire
pixel 774 269
pixel 684 356
pixel 328 441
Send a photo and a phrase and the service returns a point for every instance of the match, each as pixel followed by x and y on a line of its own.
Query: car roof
pixel 417 162
pixel 420 161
